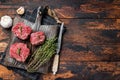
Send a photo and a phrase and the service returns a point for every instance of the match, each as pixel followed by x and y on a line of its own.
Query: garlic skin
pixel 6 21
pixel 20 10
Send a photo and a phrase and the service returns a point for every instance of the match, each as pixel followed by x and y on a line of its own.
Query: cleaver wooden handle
pixel 55 64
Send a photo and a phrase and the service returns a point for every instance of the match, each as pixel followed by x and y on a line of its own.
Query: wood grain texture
pixel 82 31
pixel 82 52
pixel 8 74
pixel 91 43
pixel 68 9
pixel 95 24
pixel 3 34
pixel 86 71
pixel 3 46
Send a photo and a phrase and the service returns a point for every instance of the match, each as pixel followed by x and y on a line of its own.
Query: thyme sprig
pixel 42 55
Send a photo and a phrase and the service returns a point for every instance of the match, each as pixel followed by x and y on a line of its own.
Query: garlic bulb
pixel 6 21
pixel 20 10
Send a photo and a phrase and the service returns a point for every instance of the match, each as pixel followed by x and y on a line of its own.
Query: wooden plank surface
pixel 90 52
pixel 91 43
pixel 86 71
pixel 86 31
pixel 68 9
pixel 95 24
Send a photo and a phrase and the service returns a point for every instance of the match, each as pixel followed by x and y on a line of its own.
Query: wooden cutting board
pixel 49 30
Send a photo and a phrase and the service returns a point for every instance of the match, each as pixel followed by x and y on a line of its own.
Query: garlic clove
pixel 20 10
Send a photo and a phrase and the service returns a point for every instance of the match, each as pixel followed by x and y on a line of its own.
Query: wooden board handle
pixel 55 64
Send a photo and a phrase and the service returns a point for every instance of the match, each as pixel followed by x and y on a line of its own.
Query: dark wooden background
pixel 91 45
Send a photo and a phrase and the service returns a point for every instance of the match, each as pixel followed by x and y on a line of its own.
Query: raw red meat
pixel 19 51
pixel 37 38
pixel 21 30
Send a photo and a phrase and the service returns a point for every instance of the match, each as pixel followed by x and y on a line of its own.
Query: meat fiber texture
pixel 37 38
pixel 21 30
pixel 19 51
pixel 50 31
